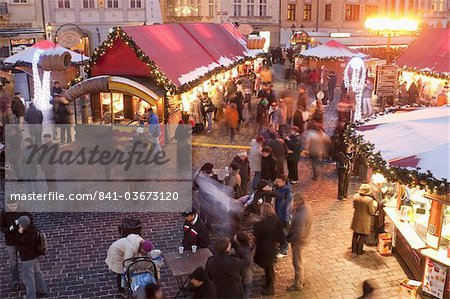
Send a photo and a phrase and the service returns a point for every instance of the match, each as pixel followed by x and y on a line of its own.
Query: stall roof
pixel 331 49
pixel 26 56
pixel 182 52
pixel 368 41
pixel 430 51
pixel 412 139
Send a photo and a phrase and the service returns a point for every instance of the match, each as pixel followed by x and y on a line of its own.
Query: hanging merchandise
pixel 41 87
pixel 354 80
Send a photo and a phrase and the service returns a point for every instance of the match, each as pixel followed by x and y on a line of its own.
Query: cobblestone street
pixel 74 266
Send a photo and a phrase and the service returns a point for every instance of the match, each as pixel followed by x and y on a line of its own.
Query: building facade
pixel 262 15
pixel 326 16
pixel 21 25
pixel 95 18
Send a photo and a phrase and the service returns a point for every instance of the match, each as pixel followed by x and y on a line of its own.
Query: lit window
pixel 291 12
pixel 351 12
pixel 184 8
pixel 63 3
pixel 307 12
pixel 371 10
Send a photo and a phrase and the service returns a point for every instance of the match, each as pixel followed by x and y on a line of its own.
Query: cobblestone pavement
pixel 78 242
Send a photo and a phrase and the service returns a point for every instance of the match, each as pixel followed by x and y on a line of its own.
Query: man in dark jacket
pixel 293 144
pixel 343 166
pixel 63 120
pixel 241 160
pixel 18 109
pixel 203 286
pixel 195 231
pixel 332 81
pixel 279 151
pixel 268 165
pixel 30 259
pixel 34 117
pixel 225 271
pixel 8 226
pixel 283 204
pixel 299 236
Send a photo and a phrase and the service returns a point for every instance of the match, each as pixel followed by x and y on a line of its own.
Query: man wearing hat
pixel 125 248
pixel 365 206
pixel 195 231
pixel 9 226
pixel 30 258
pixel 241 160
pixel 203 286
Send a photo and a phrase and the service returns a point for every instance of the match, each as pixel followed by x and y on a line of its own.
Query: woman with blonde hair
pixel 268 235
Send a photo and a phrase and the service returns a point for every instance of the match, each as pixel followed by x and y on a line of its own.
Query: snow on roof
pixel 332 48
pixel 419 138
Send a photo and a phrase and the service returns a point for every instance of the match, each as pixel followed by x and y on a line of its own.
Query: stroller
pixel 139 272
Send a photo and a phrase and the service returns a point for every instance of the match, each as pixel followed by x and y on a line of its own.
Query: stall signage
pixel 21 44
pixel 386 81
pixel 434 278
pixel 69 38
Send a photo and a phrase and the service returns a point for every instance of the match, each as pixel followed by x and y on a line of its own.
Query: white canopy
pixel 411 139
pixel 331 49
pixel 28 54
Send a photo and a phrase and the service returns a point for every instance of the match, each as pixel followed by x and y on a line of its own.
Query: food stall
pixel 410 148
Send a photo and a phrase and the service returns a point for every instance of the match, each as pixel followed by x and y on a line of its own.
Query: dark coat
pixel 244 168
pixel 27 243
pixel 279 149
pixel 207 290
pixel 226 272
pixel 261 113
pixel 63 114
pixel 9 227
pixel 17 107
pixel 268 232
pixel 268 168
pixel 195 234
pixel 294 144
pixel 34 116
pixel 246 255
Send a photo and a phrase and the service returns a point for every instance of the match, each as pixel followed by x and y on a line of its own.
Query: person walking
pixel 367 109
pixel 232 120
pixel 332 81
pixel 27 243
pixel 217 101
pixel 34 118
pixel 255 157
pixel 208 109
pixel 283 203
pixel 261 115
pixel 204 287
pixel 154 129
pixel 63 121
pixel 268 234
pixel 244 249
pixel 18 109
pixel 343 166
pixel 299 236
pixel 242 162
pixel 279 151
pixel 293 143
pixel 316 146
pixel 234 181
pixel 125 248
pixel 8 226
pixel 225 271
pixel 282 118
pixel 268 165
pixel 197 114
pixel 365 206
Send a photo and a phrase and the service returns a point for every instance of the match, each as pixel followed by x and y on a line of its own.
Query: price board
pixel 386 81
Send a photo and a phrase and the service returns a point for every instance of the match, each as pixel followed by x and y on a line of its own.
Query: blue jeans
pixel 33 278
pixel 13 263
pixel 209 118
pixel 256 179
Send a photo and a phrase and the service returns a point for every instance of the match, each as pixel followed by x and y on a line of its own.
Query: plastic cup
pixel 194 248
pixel 181 249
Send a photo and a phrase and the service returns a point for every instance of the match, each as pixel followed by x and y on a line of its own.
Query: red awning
pixel 183 52
pixel 429 51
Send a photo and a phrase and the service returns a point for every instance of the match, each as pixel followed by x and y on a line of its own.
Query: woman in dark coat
pixel 268 234
pixel 245 251
pixel 294 147
pixel 268 165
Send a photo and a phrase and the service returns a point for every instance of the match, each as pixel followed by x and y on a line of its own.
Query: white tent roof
pixel 28 54
pixel 332 49
pixel 413 139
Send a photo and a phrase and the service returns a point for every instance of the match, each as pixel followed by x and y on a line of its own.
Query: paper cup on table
pixel 194 248
pixel 181 249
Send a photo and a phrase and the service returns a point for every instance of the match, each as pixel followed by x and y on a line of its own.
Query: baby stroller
pixel 139 272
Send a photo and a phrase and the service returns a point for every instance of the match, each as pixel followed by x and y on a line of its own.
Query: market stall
pixel 410 148
pixel 426 62
pixel 180 60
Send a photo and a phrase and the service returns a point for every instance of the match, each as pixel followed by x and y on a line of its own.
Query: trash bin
pixel 130 226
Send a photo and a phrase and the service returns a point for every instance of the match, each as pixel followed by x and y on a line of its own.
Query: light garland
pixel 358 78
pixel 445 76
pixel 41 88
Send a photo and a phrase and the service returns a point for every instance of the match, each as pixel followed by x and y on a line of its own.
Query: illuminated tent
pixel 331 50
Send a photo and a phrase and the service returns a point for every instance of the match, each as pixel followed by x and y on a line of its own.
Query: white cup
pixel 181 249
pixel 194 248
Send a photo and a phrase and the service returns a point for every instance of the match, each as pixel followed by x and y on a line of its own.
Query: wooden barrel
pixel 55 62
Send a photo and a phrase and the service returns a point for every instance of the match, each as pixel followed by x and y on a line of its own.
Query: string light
pixel 41 88
pixel 358 78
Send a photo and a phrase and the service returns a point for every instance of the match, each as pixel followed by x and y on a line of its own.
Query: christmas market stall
pixel 426 63
pixel 21 66
pixel 172 62
pixel 407 150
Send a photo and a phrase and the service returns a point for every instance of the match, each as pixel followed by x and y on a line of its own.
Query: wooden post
pixel 435 222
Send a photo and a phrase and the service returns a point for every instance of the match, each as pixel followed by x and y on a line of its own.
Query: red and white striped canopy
pixel 410 139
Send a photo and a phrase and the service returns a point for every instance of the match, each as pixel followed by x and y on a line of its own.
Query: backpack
pixel 41 243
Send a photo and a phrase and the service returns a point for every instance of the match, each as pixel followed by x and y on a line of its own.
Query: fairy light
pixel 41 88
pixel 358 77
